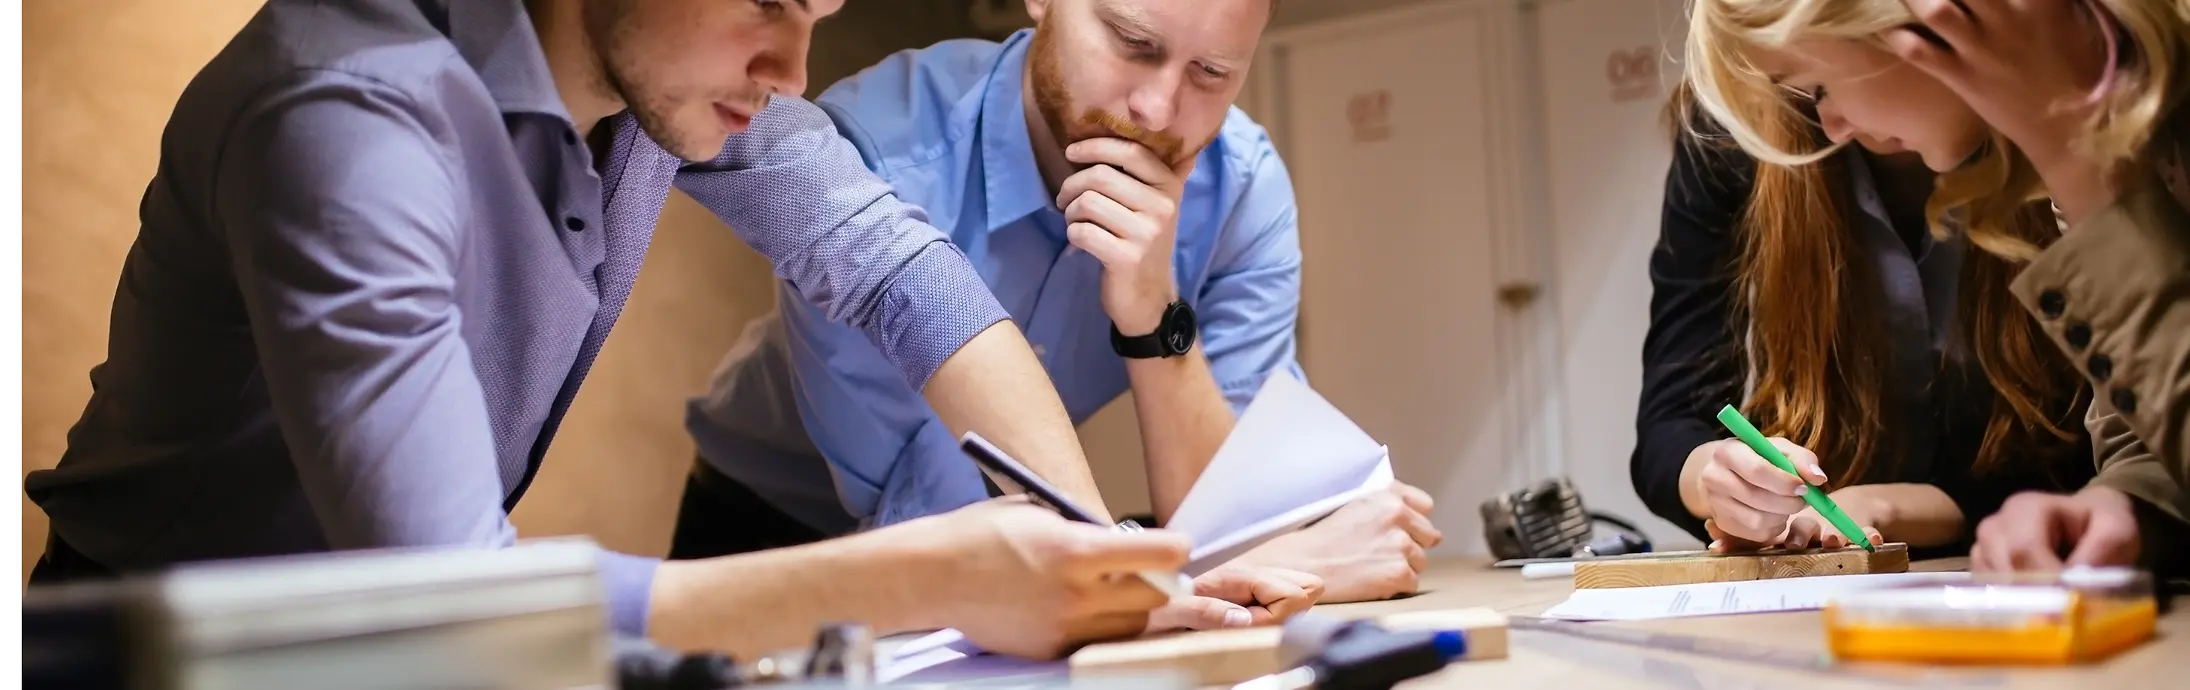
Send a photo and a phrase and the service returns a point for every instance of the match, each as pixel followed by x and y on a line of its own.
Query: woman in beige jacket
pixel 2082 100
pixel 2092 94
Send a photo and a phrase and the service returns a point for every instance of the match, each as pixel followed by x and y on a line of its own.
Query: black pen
pixel 1009 473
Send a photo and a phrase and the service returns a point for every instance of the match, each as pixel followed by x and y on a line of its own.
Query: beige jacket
pixel 2114 294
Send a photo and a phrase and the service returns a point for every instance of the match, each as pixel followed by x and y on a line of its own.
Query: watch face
pixel 1179 328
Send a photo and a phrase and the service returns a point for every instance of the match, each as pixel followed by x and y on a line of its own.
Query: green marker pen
pixel 1817 499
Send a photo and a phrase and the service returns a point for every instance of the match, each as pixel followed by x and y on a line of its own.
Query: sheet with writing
pixel 1722 598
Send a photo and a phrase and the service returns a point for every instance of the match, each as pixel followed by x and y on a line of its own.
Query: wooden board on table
pixel 1889 558
pixel 1223 657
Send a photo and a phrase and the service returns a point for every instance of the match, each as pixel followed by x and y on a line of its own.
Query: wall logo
pixel 1370 116
pixel 1632 73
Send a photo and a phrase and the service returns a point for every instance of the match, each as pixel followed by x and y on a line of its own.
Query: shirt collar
pixel 496 38
pixel 1010 179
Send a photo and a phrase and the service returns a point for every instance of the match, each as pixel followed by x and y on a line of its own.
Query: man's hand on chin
pixel 1374 548
pixel 1238 595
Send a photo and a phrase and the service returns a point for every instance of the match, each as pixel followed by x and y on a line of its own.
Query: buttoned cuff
pixel 2109 295
pixel 629 581
pixel 937 305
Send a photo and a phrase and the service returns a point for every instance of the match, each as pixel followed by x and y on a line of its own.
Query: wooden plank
pixel 1222 657
pixel 1890 558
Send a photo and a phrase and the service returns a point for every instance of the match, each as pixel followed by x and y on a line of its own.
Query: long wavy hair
pixel 1818 353
pixel 2151 42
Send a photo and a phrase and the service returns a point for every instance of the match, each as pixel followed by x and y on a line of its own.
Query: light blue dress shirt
pixel 809 415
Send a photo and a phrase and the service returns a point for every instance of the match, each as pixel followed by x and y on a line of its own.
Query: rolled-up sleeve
pixel 1250 308
pixel 2114 295
pixel 344 224
pixel 796 191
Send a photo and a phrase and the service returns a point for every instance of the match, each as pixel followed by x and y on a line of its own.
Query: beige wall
pixel 99 81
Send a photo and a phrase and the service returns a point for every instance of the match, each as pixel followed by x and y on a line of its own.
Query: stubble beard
pixel 610 30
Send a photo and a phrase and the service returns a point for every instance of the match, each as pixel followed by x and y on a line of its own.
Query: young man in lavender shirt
pixel 387 239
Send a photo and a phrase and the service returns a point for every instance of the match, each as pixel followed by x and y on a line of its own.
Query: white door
pixel 1385 134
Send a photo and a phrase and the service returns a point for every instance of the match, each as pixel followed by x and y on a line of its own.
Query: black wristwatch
pixel 1174 336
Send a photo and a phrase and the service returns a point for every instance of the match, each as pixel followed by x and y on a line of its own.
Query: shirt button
pixel 2124 401
pixel 1041 351
pixel 575 223
pixel 2052 303
pixel 2078 335
pixel 570 138
pixel 2100 367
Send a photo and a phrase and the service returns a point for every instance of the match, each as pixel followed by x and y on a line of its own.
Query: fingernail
pixel 1713 547
pixel 1237 618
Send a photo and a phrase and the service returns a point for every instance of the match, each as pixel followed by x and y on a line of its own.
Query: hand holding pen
pixel 1017 579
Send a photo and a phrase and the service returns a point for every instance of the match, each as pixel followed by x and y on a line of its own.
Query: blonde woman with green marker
pixel 1903 379
pixel 2078 101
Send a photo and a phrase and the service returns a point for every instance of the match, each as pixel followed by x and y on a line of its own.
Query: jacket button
pixel 2052 303
pixel 2124 401
pixel 575 223
pixel 2100 367
pixel 2078 335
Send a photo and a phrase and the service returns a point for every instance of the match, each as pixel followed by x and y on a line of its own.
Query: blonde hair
pixel 1991 189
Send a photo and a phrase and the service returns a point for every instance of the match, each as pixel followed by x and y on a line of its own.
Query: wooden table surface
pixel 1552 661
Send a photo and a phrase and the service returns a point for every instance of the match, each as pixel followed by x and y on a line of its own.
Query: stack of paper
pixel 1291 459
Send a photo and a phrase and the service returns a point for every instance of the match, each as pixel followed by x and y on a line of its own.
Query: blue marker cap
pixel 1450 644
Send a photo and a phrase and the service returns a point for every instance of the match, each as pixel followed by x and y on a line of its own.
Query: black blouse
pixel 1693 361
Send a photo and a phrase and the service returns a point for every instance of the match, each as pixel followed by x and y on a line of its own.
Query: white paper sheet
pixel 946 656
pixel 1292 458
pixel 1210 554
pixel 1721 598
pixel 1291 448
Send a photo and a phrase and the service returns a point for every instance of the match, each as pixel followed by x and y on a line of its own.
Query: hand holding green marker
pixel 1817 499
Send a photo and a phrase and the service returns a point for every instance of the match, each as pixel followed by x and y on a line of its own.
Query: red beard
pixel 1053 102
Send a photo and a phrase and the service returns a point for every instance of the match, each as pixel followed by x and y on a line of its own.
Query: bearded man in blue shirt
pixel 1138 227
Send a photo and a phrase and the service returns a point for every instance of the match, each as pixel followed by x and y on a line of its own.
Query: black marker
pixel 1008 473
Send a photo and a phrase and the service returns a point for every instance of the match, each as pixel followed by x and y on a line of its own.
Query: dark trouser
pixel 721 516
pixel 63 564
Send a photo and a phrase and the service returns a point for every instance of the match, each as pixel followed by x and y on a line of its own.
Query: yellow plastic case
pixel 2075 616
